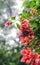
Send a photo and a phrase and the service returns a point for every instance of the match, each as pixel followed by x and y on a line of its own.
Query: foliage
pixel 31 12
pixel 34 19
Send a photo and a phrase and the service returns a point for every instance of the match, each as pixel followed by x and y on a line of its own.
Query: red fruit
pixel 26 35
pixel 32 11
pixel 37 61
pixel 33 63
pixel 23 59
pixel 7 23
pixel 36 55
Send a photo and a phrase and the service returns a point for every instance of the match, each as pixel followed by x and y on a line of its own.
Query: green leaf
pixel 38 51
pixel 33 23
pixel 32 4
pixel 38 9
pixel 25 2
pixel 12 18
pixel 18 25
pixel 12 63
pixel 38 1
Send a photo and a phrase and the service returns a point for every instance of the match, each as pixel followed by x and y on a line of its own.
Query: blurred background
pixel 9 39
